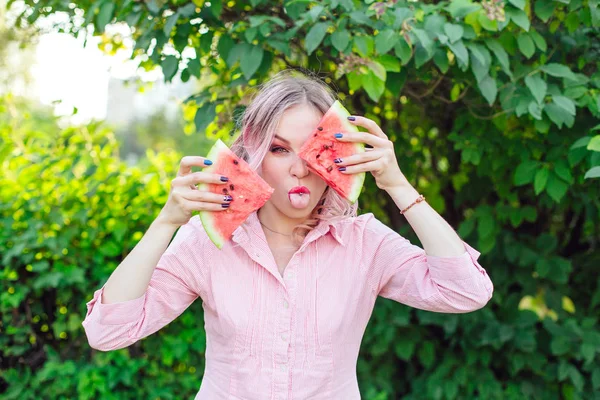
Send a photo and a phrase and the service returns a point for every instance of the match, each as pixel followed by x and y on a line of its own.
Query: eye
pixel 275 149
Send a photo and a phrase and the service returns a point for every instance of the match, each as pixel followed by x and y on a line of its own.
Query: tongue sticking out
pixel 299 200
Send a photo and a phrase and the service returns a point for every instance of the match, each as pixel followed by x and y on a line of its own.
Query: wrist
pixel 403 195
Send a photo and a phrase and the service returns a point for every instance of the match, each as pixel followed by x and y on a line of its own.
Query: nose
pixel 299 168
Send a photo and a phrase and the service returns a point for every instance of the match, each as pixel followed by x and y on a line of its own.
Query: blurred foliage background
pixel 494 110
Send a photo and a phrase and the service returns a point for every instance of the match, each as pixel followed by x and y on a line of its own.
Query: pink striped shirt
pixel 295 336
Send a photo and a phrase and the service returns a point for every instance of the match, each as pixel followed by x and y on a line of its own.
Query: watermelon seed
pixel 236 162
pixel 231 186
pixel 318 155
pixel 225 190
pixel 245 200
pixel 329 168
pixel 315 135
pixel 320 128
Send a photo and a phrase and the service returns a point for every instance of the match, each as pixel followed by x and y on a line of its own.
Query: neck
pixel 273 220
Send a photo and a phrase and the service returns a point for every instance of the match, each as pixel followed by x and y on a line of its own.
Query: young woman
pixel 287 299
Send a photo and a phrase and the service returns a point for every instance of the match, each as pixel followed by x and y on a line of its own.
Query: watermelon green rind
pixel 321 148
pixel 208 222
pixel 206 217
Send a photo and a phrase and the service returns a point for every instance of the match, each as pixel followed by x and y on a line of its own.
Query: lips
pixel 299 189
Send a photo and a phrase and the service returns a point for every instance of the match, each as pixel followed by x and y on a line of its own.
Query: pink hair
pixel 258 125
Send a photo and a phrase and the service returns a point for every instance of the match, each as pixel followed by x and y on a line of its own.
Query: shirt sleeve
pixel 403 272
pixel 178 279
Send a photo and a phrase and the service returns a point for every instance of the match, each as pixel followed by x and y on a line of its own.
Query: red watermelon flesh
pixel 322 148
pixel 249 191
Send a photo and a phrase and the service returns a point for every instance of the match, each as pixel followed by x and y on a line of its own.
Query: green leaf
pixel 440 58
pixel 340 40
pixel 104 16
pixel 500 54
pixel 426 354
pixel 378 70
pixel 489 89
pixel 535 110
pixel 315 36
pixel 520 4
pixel 405 348
pixel 544 9
pixel 541 178
pixel 169 66
pixel 425 40
pixel 565 103
pixel 594 143
pixel 403 51
pixel 204 116
pixel 250 34
pixel 170 24
pixel 592 173
pixel 539 40
pixel 454 32
pixel 224 48
pixel 558 70
pixel 537 86
pixel 526 45
pixel 460 51
pixel 360 18
pixel 251 60
pixel 364 45
pixel 519 17
pixel 354 80
pixel 373 85
pixel 389 62
pixel 460 8
pixel 556 187
pixel 385 41
pixel 558 115
pixel 525 172
pixel 562 170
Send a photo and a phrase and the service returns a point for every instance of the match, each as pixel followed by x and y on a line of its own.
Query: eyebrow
pixel 282 139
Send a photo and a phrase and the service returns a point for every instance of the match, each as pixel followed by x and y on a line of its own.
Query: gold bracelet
pixel 418 200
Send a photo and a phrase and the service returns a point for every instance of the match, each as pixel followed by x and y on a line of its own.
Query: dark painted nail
pixel 224 179
pixel 338 135
pixel 228 198
pixel 337 160
pixel 351 118
pixel 342 168
pixel 207 162
pixel 224 205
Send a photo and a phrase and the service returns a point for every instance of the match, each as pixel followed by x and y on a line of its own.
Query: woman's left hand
pixel 380 160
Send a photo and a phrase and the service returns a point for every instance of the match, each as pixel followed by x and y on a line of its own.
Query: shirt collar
pixel 251 228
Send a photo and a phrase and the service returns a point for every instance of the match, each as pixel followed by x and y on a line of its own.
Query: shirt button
pixel 289 275
pixel 285 304
pixel 284 337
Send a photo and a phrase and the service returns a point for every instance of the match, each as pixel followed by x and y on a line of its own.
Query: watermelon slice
pixel 322 148
pixel 249 191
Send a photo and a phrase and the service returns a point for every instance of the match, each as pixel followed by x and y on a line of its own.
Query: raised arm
pixel 143 295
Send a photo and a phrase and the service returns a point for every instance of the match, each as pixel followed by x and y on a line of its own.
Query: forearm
pixel 131 278
pixel 436 235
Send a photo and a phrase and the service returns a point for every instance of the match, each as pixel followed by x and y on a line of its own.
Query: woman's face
pixel 284 170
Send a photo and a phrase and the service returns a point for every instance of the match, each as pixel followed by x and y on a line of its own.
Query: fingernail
pixel 342 168
pixel 337 160
pixel 224 179
pixel 207 162
pixel 351 118
pixel 228 198
pixel 224 205
pixel 338 135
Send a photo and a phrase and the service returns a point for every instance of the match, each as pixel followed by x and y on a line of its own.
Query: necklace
pixel 283 234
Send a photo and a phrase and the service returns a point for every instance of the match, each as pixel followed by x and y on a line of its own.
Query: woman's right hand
pixel 185 197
